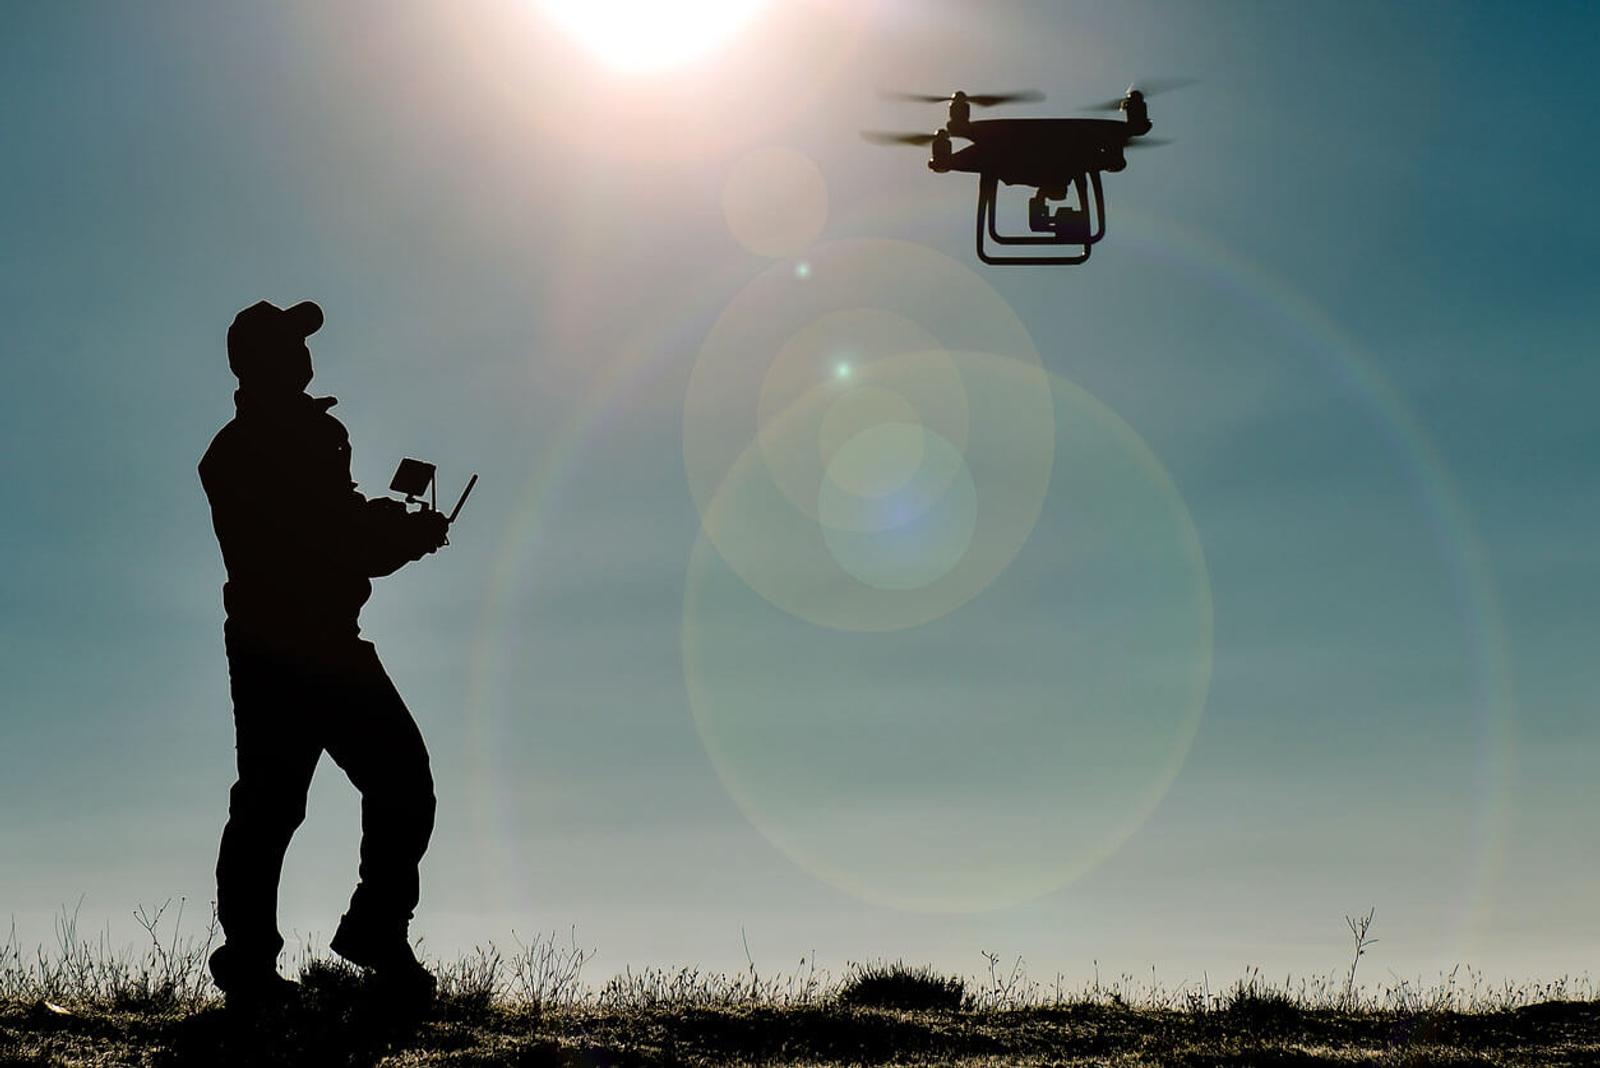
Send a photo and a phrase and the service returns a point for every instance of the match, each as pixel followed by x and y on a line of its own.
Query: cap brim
pixel 304 318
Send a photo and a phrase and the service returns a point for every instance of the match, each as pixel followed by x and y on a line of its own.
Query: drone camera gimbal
pixel 1065 226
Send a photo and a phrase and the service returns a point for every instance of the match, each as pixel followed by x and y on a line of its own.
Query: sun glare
pixel 647 35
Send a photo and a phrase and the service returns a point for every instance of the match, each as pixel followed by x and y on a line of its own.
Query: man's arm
pixel 273 500
pixel 379 535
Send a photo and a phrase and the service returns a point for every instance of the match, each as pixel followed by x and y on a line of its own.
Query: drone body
pixel 1057 158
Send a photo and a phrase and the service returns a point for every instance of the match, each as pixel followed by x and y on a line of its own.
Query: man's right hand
pixel 432 529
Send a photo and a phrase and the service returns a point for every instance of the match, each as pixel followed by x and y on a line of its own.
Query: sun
pixel 648 35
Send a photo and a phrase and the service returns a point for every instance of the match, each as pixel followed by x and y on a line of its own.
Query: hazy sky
pixel 1249 578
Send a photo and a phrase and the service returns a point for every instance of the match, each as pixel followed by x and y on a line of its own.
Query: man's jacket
pixel 299 542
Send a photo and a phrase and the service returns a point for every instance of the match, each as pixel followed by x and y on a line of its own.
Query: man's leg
pixel 371 735
pixel 276 756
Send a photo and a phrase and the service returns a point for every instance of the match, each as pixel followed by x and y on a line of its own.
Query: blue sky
pixel 1315 426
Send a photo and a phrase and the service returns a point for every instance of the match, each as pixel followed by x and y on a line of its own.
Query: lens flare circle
pixel 892 454
pixel 921 451
pixel 796 558
pixel 920 385
pixel 874 462
pixel 775 201
pixel 899 507
pixel 1002 749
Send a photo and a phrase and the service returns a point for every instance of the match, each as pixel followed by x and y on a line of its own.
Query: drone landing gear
pixel 1065 226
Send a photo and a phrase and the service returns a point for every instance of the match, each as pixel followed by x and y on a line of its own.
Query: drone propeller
pixel 1149 87
pixel 878 137
pixel 919 98
pixel 982 100
pixel 1148 142
pixel 1022 96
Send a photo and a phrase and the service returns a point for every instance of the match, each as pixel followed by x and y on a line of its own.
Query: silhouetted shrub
pixel 899 986
pixel 331 985
pixel 1263 1009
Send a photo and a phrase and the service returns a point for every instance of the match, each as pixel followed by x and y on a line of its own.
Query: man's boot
pixel 386 952
pixel 250 980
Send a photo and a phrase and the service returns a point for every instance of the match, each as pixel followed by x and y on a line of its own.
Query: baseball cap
pixel 261 332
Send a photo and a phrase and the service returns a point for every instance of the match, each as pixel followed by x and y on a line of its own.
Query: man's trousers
pixel 293 700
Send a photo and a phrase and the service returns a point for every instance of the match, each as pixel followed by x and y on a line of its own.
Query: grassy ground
pixel 82 1004
pixel 336 1026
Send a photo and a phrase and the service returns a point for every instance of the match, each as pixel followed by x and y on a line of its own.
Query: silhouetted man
pixel 301 545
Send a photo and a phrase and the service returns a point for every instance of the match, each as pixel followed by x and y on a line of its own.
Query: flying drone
pixel 1056 157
